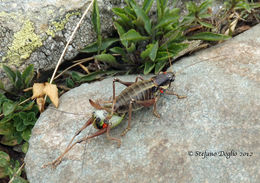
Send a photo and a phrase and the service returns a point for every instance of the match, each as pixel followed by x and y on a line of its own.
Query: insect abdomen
pixel 140 91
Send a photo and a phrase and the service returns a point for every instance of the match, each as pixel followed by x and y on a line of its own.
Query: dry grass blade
pixel 20 169
pixel 69 41
pixel 78 63
pixel 84 68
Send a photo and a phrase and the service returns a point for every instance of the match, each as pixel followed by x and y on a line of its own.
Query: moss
pixel 24 43
pixel 60 25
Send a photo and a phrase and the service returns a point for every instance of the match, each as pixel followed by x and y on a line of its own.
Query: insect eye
pixel 98 120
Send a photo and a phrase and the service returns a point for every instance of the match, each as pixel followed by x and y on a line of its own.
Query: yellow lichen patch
pixel 24 43
pixel 59 25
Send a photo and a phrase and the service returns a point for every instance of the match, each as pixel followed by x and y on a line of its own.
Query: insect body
pixel 137 95
pixel 141 94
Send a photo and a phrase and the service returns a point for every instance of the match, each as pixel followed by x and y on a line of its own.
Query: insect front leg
pixel 57 161
pixel 112 138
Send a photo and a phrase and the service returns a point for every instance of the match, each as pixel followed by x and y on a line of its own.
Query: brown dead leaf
pixel 52 91
pixel 27 89
pixel 38 90
pixel 40 102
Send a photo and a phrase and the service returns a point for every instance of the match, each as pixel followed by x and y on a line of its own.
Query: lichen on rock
pixel 60 25
pixel 24 43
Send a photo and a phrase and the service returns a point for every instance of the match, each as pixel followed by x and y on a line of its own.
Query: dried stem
pixel 69 41
pixel 16 173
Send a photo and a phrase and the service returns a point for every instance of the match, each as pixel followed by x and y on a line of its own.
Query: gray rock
pixel 35 32
pixel 220 113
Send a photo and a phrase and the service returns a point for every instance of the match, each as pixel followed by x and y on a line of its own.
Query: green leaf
pixel 205 15
pixel 28 75
pixel 18 136
pixel 208 36
pixel 23 115
pixel 130 12
pixel 96 75
pixel 20 127
pixel 8 108
pixel 171 36
pixel 148 67
pixel 192 7
pixel 175 48
pixel 132 35
pixel 30 119
pixel 131 49
pixel 6 128
pixel 122 14
pixel 161 6
pixel 19 180
pixel 18 80
pixel 104 45
pixel 25 147
pixel 205 24
pixel 147 5
pixel 143 17
pixel 119 28
pixel 17 120
pixel 159 66
pixel 69 83
pixel 4 159
pixel 28 107
pixel 26 134
pixel 146 52
pixel 9 140
pixel 168 18
pixel 2 85
pixel 121 31
pixel 7 118
pixel 153 52
pixel 118 50
pixel 203 8
pixel 107 58
pixel 10 73
pixel 96 22
pixel 75 76
pixel 163 55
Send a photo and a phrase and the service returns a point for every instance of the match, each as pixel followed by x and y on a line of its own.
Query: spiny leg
pixel 139 77
pixel 56 162
pixel 98 106
pixel 145 103
pixel 154 107
pixel 173 93
pixel 129 118
pixel 89 122
pixel 114 91
pixel 112 138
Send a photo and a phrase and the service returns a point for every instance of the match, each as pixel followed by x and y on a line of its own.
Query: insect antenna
pixel 180 71
pixel 53 108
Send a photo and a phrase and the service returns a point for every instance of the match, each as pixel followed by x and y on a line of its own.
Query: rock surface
pixel 220 113
pixel 35 31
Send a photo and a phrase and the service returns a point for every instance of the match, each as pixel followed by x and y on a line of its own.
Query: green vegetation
pixel 10 168
pixel 148 43
pixel 18 117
